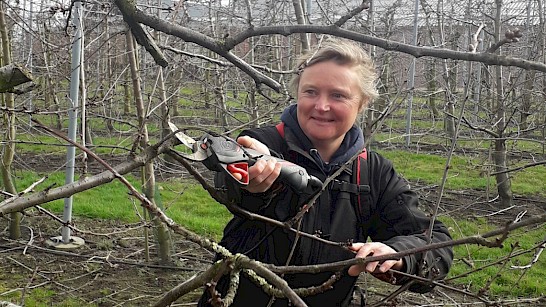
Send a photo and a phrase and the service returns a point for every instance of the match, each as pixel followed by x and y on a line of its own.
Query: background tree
pixel 8 150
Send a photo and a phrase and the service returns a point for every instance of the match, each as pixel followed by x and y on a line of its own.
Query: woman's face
pixel 328 102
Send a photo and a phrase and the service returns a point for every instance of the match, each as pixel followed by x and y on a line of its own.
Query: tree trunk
pixel 220 94
pixel 432 88
pixel 165 116
pixel 8 151
pixel 527 99
pixel 504 186
pixel 173 104
pixel 127 95
pixel 449 123
pixel 50 91
pixel 148 177
pixel 300 17
pixel 251 97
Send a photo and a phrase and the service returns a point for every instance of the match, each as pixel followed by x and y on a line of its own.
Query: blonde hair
pixel 342 52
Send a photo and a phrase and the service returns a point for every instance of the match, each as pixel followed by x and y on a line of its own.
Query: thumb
pixel 245 141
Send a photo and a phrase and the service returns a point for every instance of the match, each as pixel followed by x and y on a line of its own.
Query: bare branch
pixel 363 6
pixel 207 42
pixel 416 51
pixel 142 37
pixel 11 76
pixel 477 239
pixel 519 168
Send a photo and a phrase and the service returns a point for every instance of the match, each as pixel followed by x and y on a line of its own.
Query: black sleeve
pixel 398 222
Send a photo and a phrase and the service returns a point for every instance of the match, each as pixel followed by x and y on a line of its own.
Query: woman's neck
pixel 327 149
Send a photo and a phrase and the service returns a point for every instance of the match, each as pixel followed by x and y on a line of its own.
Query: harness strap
pixel 280 128
pixel 349 187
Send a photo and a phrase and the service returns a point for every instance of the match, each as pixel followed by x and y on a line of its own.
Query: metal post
pixel 73 116
pixel 411 78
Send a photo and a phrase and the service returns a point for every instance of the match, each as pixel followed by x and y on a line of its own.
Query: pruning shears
pixel 221 154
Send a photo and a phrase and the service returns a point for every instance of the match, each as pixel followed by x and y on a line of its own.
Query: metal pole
pixel 73 116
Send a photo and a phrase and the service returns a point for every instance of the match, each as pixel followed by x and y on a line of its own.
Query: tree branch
pixel 416 51
pixel 143 38
pixel 363 6
pixel 87 183
pixel 11 76
pixel 478 239
pixel 519 168
pixel 205 41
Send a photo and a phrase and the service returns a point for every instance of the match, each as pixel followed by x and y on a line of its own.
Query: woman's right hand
pixel 263 173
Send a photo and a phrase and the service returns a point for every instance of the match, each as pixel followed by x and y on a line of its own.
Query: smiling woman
pixel 335 82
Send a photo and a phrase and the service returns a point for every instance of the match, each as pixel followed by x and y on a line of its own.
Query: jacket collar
pixel 351 144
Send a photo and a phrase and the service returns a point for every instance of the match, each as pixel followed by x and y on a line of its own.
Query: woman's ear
pixel 363 104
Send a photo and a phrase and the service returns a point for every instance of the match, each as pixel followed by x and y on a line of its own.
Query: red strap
pixel 280 128
pixel 364 156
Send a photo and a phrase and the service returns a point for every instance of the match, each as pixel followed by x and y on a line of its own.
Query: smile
pixel 324 120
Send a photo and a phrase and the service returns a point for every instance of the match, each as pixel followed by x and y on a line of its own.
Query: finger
pixel 355 246
pixel 370 267
pixel 392 264
pixel 262 175
pixel 237 176
pixel 268 174
pixel 385 266
pixel 256 170
pixel 356 269
pixel 362 251
pixel 245 141
pixel 252 143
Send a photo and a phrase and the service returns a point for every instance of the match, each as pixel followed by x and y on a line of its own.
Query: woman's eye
pixel 338 96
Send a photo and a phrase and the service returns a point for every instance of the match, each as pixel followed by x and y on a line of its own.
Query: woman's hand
pixel 263 173
pixel 375 268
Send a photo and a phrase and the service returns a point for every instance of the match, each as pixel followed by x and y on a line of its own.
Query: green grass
pixel 38 297
pixel 186 203
pixel 191 206
pixel 505 281
pixel 464 172
pixel 47 144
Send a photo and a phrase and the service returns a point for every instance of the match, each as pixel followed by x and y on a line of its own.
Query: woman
pixel 334 84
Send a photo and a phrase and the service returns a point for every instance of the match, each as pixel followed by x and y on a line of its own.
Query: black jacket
pixel 394 219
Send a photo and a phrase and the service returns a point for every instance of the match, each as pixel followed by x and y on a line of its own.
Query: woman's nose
pixel 322 104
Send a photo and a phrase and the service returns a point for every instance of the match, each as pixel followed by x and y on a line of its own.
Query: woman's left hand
pixel 364 250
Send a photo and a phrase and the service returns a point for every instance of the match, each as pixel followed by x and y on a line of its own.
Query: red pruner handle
pixel 241 169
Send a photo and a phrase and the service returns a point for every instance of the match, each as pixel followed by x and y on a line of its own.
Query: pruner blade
pixel 198 153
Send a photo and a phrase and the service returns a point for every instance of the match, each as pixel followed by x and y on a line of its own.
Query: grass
pixel 503 278
pixel 185 202
pixel 464 172
pixel 42 297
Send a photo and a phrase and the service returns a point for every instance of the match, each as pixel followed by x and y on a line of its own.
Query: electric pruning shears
pixel 221 154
